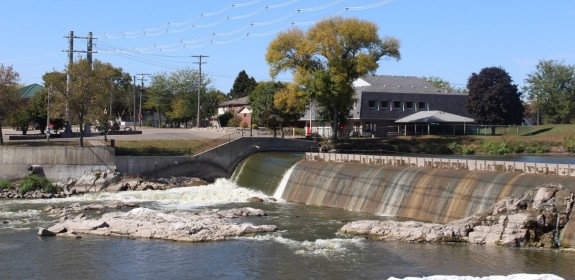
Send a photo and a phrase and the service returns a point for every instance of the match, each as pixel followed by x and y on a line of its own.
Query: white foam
pixel 222 191
pixel 319 247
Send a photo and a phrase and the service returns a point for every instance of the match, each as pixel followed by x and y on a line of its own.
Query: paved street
pixel 147 134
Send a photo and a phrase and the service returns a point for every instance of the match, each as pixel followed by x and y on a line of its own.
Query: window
pixel 372 104
pixel 421 106
pixel 409 105
pixel 397 105
pixel 384 105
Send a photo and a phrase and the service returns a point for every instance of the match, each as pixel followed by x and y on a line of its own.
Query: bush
pixel 224 118
pixel 35 182
pixel 568 144
pixel 235 122
pixel 5 184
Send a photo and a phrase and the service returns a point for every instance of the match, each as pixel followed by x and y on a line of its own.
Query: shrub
pixel 568 144
pixel 5 184
pixel 235 121
pixel 35 182
pixel 224 118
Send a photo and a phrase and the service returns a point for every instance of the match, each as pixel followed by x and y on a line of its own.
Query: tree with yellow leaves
pixel 325 61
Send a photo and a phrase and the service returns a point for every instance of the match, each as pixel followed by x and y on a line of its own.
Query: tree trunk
pixel 335 126
pixel 275 132
pixel 492 130
pixel 1 135
pixel 81 121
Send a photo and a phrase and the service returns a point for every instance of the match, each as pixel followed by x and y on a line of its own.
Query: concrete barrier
pixel 465 164
pixel 58 163
pixel 218 162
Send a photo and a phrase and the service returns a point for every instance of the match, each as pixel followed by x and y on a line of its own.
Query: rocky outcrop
pixel 534 219
pixel 206 225
pixel 105 181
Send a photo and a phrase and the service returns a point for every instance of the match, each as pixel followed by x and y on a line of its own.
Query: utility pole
pixel 199 84
pixel 71 52
pixel 134 119
pixel 141 91
pixel 48 115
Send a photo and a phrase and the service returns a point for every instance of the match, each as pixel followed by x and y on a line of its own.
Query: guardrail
pixel 465 164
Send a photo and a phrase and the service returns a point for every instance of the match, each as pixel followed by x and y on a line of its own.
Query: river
pixel 306 246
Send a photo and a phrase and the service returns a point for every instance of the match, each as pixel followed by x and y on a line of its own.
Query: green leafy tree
pixel 176 95
pixel 210 102
pixel 325 61
pixel 493 98
pixel 264 112
pixel 9 98
pixel 243 85
pixel 551 89
pixel 90 88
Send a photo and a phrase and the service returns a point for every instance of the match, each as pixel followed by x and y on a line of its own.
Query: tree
pixel 9 97
pixel 243 85
pixel 551 89
pixel 493 98
pixel 176 95
pixel 326 60
pixel 264 113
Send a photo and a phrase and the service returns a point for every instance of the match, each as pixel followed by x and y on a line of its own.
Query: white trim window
pixel 397 105
pixel 384 105
pixel 421 106
pixel 409 105
pixel 372 104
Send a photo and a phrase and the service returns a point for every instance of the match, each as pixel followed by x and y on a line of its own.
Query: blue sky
pixel 446 38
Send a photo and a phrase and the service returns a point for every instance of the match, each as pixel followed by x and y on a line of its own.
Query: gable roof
pixel 434 117
pixel 29 91
pixel 242 101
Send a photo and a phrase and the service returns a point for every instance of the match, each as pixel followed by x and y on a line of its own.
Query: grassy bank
pixel 534 139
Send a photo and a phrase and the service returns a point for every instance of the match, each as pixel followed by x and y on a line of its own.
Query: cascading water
pixel 426 194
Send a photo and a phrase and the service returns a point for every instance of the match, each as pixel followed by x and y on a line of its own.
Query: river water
pixel 306 246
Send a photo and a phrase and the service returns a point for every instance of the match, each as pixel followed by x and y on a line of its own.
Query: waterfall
pixel 283 183
pixel 425 194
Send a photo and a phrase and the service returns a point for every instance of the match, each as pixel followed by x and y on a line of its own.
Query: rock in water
pixel 531 220
pixel 177 226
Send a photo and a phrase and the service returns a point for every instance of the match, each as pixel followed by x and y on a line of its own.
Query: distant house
pixel 239 107
pixel 382 100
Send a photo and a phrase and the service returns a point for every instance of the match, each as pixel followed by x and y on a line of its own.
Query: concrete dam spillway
pixel 418 193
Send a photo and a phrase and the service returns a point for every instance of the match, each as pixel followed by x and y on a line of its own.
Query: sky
pixel 450 39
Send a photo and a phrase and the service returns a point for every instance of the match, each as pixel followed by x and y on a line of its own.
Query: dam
pixel 438 195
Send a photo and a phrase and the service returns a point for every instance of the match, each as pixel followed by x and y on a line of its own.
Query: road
pixel 147 134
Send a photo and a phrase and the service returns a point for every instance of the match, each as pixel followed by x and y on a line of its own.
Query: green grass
pixel 174 147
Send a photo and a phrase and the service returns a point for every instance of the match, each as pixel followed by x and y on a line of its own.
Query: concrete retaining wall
pixel 58 163
pixel 219 162
pixel 465 164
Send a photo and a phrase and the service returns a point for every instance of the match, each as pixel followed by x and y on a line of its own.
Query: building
pixel 29 91
pixel 239 107
pixel 382 100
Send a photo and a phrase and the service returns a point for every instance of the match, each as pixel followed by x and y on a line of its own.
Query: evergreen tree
pixel 243 85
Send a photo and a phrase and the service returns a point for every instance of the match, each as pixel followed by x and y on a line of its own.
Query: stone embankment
pixel 534 219
pixel 107 181
pixel 208 225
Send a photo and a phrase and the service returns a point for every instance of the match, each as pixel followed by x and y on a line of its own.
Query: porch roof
pixel 434 117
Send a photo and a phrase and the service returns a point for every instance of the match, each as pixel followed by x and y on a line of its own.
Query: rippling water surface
pixel 306 246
